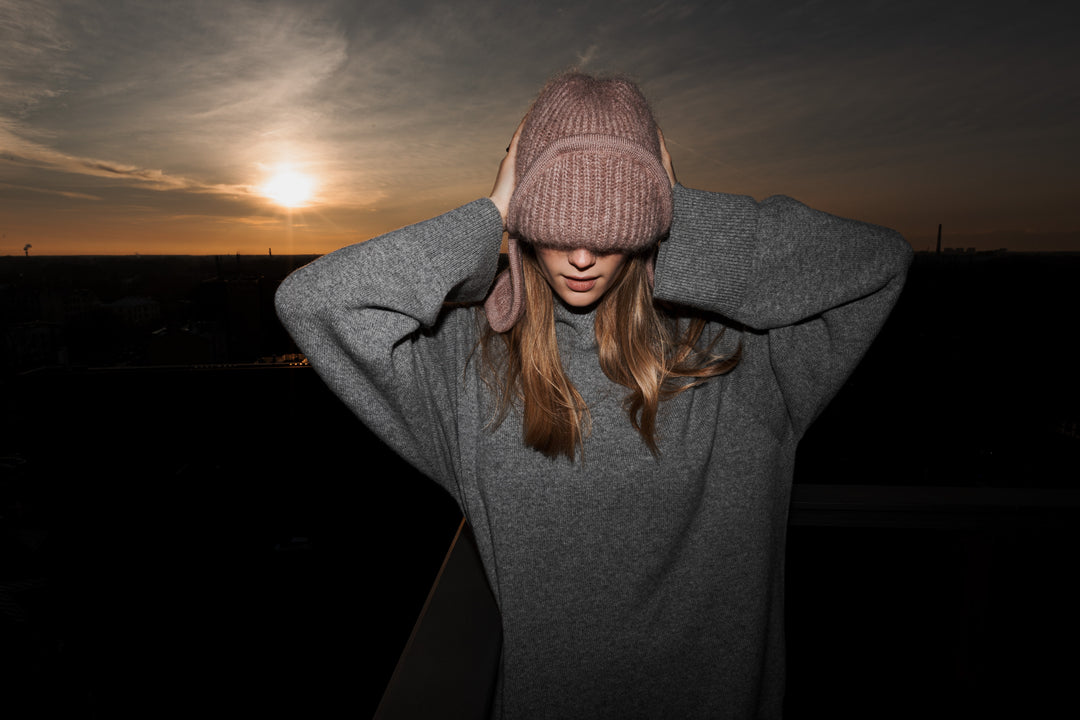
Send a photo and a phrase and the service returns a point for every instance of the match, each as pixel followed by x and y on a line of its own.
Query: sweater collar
pixel 575 327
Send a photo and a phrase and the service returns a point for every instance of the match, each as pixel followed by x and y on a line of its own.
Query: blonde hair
pixel 655 354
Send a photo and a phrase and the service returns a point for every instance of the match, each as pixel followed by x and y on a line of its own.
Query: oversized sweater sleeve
pixel 364 317
pixel 811 288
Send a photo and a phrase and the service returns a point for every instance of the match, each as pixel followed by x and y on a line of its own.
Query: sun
pixel 289 188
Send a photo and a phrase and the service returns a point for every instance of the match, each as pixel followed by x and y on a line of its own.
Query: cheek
pixel 546 269
pixel 615 266
pixel 545 258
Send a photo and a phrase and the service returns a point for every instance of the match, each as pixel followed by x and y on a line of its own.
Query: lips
pixel 580 284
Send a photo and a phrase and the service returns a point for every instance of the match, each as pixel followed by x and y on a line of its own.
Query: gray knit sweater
pixel 630 586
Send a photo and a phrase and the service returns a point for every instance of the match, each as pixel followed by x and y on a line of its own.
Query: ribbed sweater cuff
pixel 707 258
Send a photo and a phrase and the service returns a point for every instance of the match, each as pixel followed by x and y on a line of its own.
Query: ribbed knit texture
pixel 588 174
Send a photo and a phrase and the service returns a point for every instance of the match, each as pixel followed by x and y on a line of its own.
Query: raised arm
pixel 815 288
pixel 773 263
pixel 362 316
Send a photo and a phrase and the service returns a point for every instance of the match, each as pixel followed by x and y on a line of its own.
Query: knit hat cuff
pixel 614 196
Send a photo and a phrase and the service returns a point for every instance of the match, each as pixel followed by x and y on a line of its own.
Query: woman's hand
pixel 665 158
pixel 504 181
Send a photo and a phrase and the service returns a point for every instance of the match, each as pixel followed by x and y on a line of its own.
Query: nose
pixel 581 258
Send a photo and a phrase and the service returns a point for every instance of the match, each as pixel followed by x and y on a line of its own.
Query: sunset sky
pixel 164 127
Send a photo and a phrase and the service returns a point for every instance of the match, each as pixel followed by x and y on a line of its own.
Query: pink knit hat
pixel 588 174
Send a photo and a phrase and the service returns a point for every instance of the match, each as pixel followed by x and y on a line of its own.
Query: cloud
pixel 36 54
pixel 47 191
pixel 17 151
pixel 586 57
pixel 185 96
pixel 397 108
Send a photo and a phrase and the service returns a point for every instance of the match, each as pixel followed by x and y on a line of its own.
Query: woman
pixel 619 420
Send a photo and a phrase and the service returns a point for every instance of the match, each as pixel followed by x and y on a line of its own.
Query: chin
pixel 580 300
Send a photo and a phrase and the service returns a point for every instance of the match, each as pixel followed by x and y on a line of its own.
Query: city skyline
pixel 298 127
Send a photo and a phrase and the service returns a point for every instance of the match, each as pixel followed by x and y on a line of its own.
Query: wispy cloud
pixel 16 151
pixel 36 55
pixel 401 108
pixel 199 90
pixel 48 191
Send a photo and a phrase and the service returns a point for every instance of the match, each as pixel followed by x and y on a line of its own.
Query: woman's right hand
pixel 504 181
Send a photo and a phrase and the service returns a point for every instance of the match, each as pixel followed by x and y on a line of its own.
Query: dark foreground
pixel 232 541
pixel 229 539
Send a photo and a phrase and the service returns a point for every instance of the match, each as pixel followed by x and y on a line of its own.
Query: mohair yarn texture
pixel 588 174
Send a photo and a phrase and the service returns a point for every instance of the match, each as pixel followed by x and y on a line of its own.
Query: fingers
pixel 665 157
pixel 512 147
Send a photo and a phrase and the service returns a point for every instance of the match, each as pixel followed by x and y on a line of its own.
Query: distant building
pixel 32 344
pixel 241 311
pixel 136 312
pixel 79 302
pixel 182 346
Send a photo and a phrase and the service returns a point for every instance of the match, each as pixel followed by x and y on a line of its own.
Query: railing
pixel 449 665
pixel 930 507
